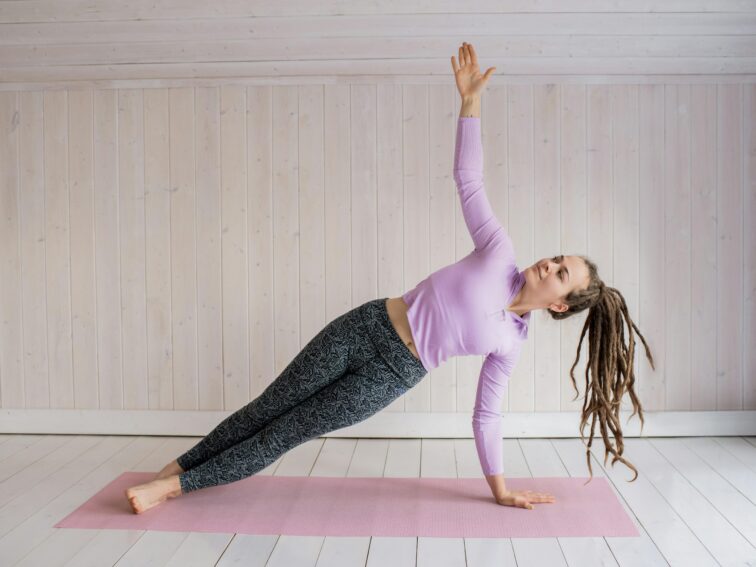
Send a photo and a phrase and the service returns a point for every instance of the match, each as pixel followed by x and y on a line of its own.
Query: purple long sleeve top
pixel 461 309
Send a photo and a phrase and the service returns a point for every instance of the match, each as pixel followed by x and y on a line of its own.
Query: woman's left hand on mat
pixel 524 498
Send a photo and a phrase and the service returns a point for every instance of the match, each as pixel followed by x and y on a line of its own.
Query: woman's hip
pixel 375 336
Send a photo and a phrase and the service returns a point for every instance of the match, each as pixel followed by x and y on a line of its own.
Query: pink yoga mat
pixel 359 506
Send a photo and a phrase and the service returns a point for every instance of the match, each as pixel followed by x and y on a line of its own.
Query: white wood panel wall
pixel 141 43
pixel 175 248
pixel 190 191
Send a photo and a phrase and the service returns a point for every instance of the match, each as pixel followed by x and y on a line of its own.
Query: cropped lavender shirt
pixel 461 309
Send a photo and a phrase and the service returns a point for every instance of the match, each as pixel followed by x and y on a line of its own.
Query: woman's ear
pixel 559 307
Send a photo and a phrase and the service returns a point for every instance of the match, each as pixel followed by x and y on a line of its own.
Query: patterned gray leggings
pixel 355 366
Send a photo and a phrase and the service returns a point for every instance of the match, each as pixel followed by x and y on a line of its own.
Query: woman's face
pixel 551 279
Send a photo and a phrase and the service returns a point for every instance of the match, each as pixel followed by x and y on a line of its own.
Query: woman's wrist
pixel 470 107
pixel 498 487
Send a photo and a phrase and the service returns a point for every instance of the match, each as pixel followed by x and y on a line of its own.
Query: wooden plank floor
pixel 694 504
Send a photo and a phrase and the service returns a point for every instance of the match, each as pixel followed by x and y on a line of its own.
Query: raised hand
pixel 467 74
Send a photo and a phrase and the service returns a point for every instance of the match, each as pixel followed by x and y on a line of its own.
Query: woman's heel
pixel 170 469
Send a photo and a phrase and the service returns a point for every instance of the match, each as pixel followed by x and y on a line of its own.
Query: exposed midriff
pixel 397 312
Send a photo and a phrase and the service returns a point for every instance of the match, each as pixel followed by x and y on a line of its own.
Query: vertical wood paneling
pixel 443 201
pixel 32 236
pixel 132 238
pixel 362 180
pixel 600 198
pixel 11 335
pixel 260 230
pixel 338 200
pixel 729 248
pixel 703 249
pixel 285 225
pixel 390 198
pixel 521 210
pixel 107 250
pixel 81 214
pixel 677 258
pixel 416 214
pixel 233 221
pixel 546 238
pixel 183 249
pixel 159 264
pixel 57 253
pixel 574 232
pixel 210 237
pixel 188 208
pixel 311 203
pixel 749 250
pixel 652 270
pixel 624 108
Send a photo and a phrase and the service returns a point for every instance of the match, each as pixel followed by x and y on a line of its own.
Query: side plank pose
pixel 366 358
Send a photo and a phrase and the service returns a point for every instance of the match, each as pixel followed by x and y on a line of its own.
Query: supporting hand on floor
pixel 524 498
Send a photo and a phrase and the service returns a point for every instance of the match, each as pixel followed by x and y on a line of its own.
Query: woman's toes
pixel 131 496
pixel 146 496
pixel 141 498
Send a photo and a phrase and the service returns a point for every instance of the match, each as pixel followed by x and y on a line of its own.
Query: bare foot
pixel 170 469
pixel 145 496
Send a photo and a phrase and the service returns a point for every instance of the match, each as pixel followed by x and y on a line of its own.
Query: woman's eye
pixel 560 273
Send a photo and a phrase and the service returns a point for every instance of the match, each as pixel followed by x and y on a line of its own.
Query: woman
pixel 366 358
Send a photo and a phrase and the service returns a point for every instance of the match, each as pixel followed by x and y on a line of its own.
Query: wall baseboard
pixel 195 423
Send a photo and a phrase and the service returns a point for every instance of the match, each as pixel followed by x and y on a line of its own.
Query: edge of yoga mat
pixel 365 506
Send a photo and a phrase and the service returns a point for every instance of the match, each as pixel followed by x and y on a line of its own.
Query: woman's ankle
pixel 172 468
pixel 174 486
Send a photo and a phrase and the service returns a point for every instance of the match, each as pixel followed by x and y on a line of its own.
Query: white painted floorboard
pixel 694 503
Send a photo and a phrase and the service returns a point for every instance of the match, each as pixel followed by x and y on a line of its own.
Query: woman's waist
pixel 397 312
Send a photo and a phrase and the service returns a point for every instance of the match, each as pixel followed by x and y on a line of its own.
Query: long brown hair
pixel 610 362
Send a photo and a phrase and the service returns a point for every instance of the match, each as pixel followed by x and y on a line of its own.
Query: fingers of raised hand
pixel 467 56
pixel 471 53
pixel 455 67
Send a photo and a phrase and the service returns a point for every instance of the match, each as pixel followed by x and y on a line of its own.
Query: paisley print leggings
pixel 355 366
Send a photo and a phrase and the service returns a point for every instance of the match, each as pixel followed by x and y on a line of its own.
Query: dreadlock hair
pixel 610 362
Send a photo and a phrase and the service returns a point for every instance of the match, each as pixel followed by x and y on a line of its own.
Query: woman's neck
pixel 518 305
